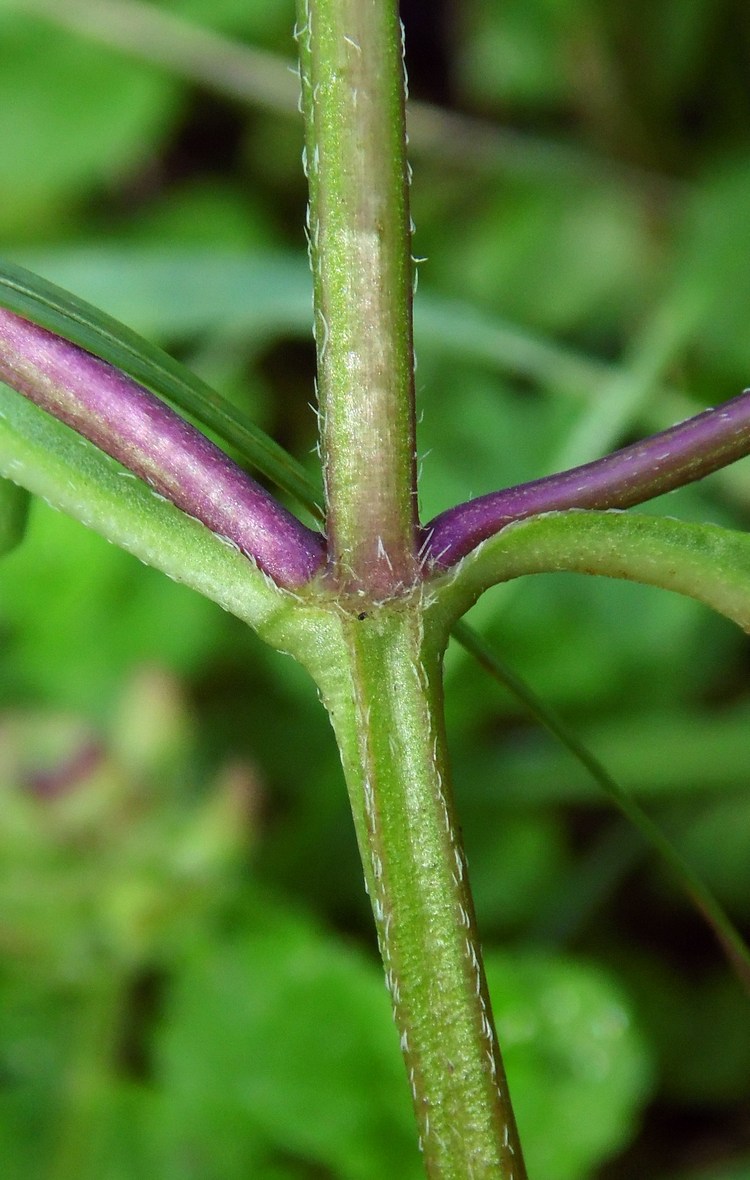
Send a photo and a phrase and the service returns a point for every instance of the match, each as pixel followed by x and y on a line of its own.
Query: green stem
pixel 359 232
pixel 378 671
pixel 44 456
pixel 704 561
pixel 386 705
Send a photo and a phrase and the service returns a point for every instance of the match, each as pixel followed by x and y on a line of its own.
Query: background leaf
pixel 577 1064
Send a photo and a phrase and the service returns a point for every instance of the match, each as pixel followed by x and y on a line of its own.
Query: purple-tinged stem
pixel 658 464
pixel 146 436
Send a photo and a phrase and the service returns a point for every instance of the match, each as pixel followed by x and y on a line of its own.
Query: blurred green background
pixel 189 985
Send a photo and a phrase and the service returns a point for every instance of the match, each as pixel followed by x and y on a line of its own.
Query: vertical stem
pixel 378 672
pixel 360 248
pixel 386 706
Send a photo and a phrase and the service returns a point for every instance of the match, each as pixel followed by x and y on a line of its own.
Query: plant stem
pixel 359 234
pixel 378 670
pixel 386 706
pixel 67 315
pixel 41 454
pixel 637 473
pixel 704 561
pixel 134 427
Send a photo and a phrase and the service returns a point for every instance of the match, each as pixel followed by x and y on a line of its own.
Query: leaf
pixel 189 290
pixel 77 615
pixel 57 310
pixel 70 118
pixel 280 1038
pixel 703 750
pixel 184 290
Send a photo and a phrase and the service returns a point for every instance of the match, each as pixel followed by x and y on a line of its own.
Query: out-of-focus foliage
pixel 167 1012
pixel 188 982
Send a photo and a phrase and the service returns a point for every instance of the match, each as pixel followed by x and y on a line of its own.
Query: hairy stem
pixel 134 427
pixel 703 561
pixel 637 473
pixel 385 699
pixel 382 678
pixel 359 234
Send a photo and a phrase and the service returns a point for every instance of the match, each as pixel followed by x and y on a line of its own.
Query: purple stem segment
pixel 658 464
pixel 146 436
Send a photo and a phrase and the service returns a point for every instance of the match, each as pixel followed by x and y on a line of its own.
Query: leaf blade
pixel 63 313
pixel 727 934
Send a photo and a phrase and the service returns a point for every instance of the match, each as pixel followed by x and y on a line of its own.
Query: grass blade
pixel 727 934
pixel 65 314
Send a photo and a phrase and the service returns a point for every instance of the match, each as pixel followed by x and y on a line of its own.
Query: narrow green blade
pixel 65 314
pixel 727 934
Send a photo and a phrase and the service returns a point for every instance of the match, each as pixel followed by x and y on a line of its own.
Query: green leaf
pixel 70 117
pixel 182 290
pixel 691 754
pixel 187 290
pixel 280 1040
pixel 34 298
pixel 78 615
